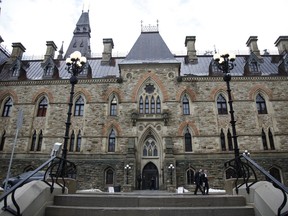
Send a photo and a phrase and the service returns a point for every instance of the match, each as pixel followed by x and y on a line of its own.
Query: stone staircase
pixel 153 204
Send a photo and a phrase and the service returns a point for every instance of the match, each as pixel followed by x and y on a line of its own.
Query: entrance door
pixel 150 177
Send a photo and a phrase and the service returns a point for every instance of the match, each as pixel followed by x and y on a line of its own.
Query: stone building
pixel 148 110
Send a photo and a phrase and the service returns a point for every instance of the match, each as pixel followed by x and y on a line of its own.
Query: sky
pixel 223 25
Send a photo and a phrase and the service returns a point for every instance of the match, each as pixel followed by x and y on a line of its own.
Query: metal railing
pixel 245 169
pixel 56 168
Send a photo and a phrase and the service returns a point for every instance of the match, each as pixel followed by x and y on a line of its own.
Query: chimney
pixel 282 44
pixel 51 49
pixel 252 44
pixel 107 52
pixel 17 51
pixel 191 51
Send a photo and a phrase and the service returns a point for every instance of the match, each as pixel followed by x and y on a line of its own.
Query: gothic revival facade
pixel 148 109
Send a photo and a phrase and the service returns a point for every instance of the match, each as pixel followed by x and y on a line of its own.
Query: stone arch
pixel 185 90
pixel 219 90
pixel 190 125
pixel 115 91
pixel 84 92
pixel 112 124
pixel 11 93
pixel 143 79
pixel 260 88
pixel 41 93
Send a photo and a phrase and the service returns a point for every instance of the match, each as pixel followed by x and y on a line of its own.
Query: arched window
pixel 79 107
pixel 33 141
pixel 78 144
pixel 152 105
pixel 158 105
pixel 230 142
pixel 185 105
pixel 150 148
pixel 275 172
pixel 3 137
pixel 42 107
pixel 222 140
pixel 188 141
pixel 221 105
pixel 113 106
pixel 109 176
pixel 271 140
pixel 7 107
pixel 40 140
pixel 146 104
pixel 112 141
pixel 261 104
pixel 72 141
pixel 190 176
pixel 264 140
pixel 141 105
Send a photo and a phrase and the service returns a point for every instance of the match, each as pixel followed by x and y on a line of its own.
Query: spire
pixel 81 37
pixel 60 55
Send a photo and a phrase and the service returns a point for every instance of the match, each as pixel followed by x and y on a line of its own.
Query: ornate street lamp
pixel 75 65
pixel 225 63
pixel 171 168
pixel 127 168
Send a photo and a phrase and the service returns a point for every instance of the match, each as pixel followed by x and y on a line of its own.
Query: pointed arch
pixel 189 124
pixel 72 141
pixel 79 106
pixel 7 107
pixel 260 88
pixel 109 174
pixel 187 140
pixel 33 141
pixel 261 104
pixel 44 92
pixel 3 138
pixel 112 141
pixel 221 104
pixel 42 107
pixel 222 140
pixel 185 105
pixel 185 90
pixel 151 77
pixel 78 141
pixel 40 141
pixel 190 174
pixel 113 105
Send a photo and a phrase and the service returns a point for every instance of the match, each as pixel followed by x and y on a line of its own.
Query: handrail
pixel 244 169
pixel 54 171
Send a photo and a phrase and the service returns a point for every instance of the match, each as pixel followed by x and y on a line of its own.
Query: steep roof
pixel 81 37
pixel 149 48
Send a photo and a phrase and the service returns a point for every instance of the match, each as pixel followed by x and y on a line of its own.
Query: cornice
pixel 56 82
pixel 234 78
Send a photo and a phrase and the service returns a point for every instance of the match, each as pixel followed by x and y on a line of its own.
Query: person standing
pixel 198 182
pixel 205 182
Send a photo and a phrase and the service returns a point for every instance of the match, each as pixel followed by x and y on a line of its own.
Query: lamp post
pixel 127 168
pixel 171 168
pixel 225 64
pixel 75 65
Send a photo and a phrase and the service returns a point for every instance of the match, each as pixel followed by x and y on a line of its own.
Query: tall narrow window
pixel 190 176
pixel 3 141
pixel 78 144
pixel 152 105
pixel 185 105
pixel 42 107
pixel 146 104
pixel 113 107
pixel 230 142
pixel 40 140
pixel 271 140
pixel 72 141
pixel 264 140
pixel 7 107
pixel 33 141
pixel 79 107
pixel 141 105
pixel 112 141
pixel 261 104
pixel 188 141
pixel 158 105
pixel 222 140
pixel 109 176
pixel 221 105
pixel 150 148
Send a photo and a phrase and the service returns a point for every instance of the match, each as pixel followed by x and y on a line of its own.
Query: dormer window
pixel 253 66
pixel 48 70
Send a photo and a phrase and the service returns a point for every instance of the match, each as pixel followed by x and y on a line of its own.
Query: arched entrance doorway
pixel 150 177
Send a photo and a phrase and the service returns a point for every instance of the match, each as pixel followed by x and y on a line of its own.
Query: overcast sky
pixel 224 24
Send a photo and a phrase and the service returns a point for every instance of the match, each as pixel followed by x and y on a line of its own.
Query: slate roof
pixel 149 48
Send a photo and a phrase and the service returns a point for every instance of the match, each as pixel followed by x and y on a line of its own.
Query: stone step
pixel 121 204
pixel 149 201
pixel 151 211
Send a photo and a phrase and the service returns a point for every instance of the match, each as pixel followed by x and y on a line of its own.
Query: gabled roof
pixel 149 48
